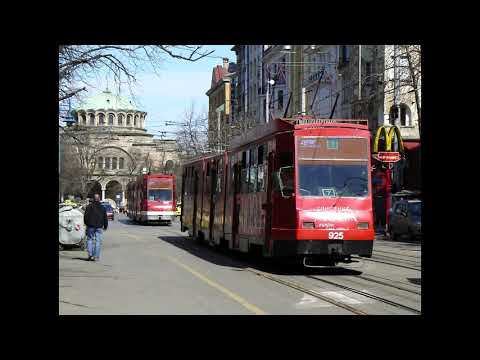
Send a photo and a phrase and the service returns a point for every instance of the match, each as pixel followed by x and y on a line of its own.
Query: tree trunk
pixel 415 87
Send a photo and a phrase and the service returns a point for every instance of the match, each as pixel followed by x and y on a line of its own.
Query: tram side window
pixel 284 177
pixel 252 185
pixel 219 176
pixel 261 168
pixel 238 171
pixel 245 172
pixel 261 154
pixel 286 159
pixel 232 175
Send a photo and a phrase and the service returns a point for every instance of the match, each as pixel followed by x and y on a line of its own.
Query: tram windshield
pixel 160 195
pixel 333 180
pixel 332 166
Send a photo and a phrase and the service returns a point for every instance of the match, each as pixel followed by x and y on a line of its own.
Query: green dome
pixel 106 101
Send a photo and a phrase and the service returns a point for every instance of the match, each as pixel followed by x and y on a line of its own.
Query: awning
pixel 411 145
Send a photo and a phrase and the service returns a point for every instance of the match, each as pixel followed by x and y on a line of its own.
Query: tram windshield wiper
pixel 346 187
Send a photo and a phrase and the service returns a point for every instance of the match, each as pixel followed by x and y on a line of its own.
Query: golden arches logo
pixel 388 135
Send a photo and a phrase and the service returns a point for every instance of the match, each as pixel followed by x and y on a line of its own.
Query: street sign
pixel 387 156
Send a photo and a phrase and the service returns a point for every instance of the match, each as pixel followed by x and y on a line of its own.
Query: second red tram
pixel 295 188
pixel 152 198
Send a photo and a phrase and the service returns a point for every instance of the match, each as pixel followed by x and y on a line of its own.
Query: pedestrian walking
pixel 95 219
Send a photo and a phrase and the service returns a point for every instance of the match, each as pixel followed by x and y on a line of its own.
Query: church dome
pixel 106 101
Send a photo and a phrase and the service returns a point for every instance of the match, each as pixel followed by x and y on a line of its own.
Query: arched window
pixel 101 119
pixel 92 119
pixel 405 115
pixel 120 163
pixel 114 163
pixel 110 119
pixel 120 119
pixel 100 163
pixel 135 120
pixel 129 119
pixel 107 163
pixel 393 116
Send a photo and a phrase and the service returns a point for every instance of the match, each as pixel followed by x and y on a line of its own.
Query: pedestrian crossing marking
pixel 352 299
pixel 309 301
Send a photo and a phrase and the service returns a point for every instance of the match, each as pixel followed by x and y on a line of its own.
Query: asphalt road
pixel 152 269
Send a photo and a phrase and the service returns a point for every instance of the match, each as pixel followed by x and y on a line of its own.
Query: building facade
pixel 220 104
pixel 250 94
pixel 110 146
pixel 277 80
pixel 371 82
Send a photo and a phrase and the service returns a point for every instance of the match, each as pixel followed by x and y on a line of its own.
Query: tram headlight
pixel 308 225
pixel 362 225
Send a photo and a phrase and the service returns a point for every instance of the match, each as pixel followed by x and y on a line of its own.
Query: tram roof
pixel 202 157
pixel 290 124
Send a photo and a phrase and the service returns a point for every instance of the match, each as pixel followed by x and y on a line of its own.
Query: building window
pixel 120 120
pixel 129 120
pixel 368 73
pixel 135 120
pixel 114 163
pixel 101 119
pixel 405 115
pixel 100 163
pixel 120 163
pixel 107 163
pixel 344 54
pixel 110 119
pixel 92 119
pixel 280 99
pixel 393 116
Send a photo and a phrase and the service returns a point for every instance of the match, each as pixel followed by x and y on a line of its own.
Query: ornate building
pixel 111 146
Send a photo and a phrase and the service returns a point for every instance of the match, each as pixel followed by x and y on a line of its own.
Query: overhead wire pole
pixel 359 72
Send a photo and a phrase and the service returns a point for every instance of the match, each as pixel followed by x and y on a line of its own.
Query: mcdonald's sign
pixel 388 135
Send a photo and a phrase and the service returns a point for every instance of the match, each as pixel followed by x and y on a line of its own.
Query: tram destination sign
pixel 387 156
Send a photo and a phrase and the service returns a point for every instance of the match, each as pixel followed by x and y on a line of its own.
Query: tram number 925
pixel 335 235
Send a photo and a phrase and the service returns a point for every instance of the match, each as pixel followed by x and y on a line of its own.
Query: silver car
pixel 406 219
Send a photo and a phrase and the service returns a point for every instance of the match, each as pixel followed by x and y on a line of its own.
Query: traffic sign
pixel 387 156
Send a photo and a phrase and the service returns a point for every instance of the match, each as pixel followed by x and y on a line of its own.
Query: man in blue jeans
pixel 95 219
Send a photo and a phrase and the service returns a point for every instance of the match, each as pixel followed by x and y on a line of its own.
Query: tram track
pixel 302 288
pixel 391 258
pixel 394 253
pixel 371 279
pixel 366 294
pixel 367 278
pixel 387 263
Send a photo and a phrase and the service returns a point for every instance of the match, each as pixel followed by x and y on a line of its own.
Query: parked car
pixel 109 209
pixel 406 219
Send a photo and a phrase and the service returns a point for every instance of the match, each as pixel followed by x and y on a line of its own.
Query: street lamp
pixel 270 82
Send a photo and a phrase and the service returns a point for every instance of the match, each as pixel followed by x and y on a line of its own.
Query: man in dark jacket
pixel 95 219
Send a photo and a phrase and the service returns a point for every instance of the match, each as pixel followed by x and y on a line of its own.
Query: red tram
pixel 296 188
pixel 152 198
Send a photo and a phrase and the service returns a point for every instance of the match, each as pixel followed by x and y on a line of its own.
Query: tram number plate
pixel 335 235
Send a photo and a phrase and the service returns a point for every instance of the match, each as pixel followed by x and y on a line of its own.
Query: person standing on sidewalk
pixel 95 219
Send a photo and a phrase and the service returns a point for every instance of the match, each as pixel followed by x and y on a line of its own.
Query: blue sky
pixel 165 96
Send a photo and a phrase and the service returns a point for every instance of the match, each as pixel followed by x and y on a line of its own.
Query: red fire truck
pixel 152 198
pixel 297 188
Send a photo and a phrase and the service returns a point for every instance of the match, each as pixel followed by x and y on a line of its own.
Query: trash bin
pixel 71 230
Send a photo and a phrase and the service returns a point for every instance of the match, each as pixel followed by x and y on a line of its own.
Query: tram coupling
pixel 326 261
